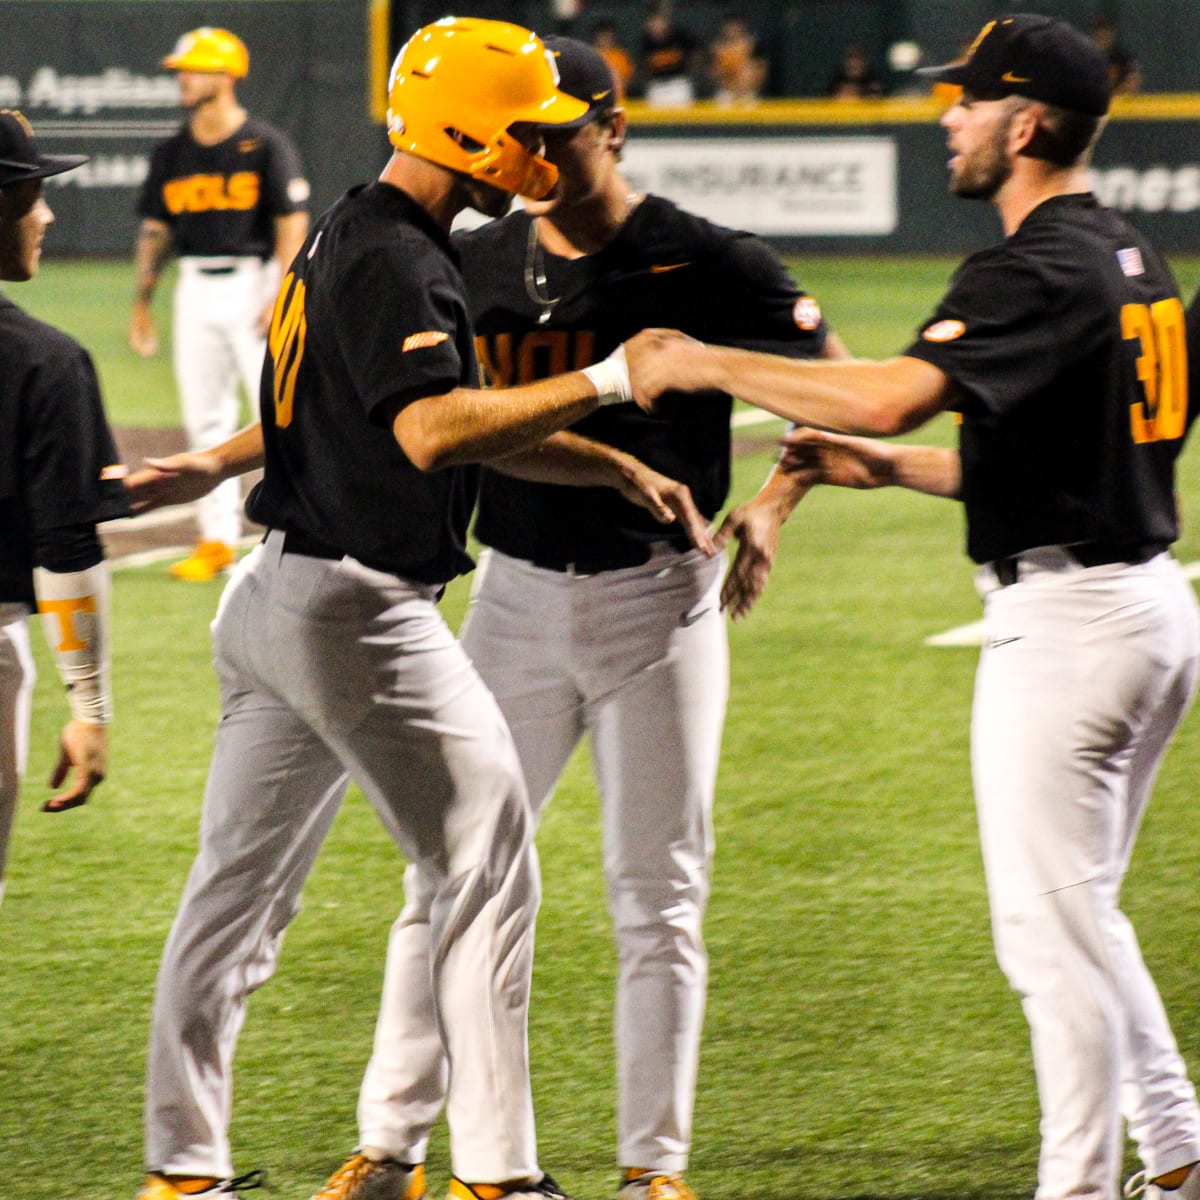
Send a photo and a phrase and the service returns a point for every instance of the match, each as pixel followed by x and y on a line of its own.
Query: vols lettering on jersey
pixel 212 193
pixel 222 200
pixel 510 359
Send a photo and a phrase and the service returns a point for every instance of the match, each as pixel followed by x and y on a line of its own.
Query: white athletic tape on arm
pixel 610 378
pixel 74 607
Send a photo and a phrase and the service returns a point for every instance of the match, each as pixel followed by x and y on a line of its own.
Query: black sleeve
pixel 1000 333
pixel 285 187
pixel 397 328
pixel 73 476
pixel 761 308
pixel 150 203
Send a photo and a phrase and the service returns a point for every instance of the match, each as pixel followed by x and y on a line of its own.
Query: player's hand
pixel 837 459
pixel 83 755
pixel 755 526
pixel 142 335
pixel 176 479
pixel 669 501
pixel 661 360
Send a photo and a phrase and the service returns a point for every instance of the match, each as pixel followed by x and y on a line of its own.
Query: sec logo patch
pixel 806 313
pixel 944 331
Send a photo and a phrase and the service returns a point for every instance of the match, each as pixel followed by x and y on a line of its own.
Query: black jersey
pixel 664 268
pixel 222 200
pixel 59 469
pixel 371 317
pixel 1067 340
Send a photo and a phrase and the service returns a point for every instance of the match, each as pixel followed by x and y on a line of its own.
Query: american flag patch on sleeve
pixel 1131 261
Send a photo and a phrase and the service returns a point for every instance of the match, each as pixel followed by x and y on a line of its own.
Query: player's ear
pixel 1023 132
pixel 616 131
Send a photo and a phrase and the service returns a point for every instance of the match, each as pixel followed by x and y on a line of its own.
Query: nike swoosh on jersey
pixel 663 268
pixel 1009 77
pixel 690 618
pixel 1004 641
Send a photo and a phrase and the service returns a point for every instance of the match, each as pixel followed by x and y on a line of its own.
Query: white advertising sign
pixel 797 186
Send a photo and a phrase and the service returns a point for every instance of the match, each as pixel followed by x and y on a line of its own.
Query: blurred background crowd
pixel 672 53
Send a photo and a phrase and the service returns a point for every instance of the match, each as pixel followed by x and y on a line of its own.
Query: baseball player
pixel 1063 349
pixel 332 658
pixel 59 477
pixel 225 192
pixel 588 616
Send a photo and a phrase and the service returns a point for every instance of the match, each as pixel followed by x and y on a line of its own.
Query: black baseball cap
pixel 1034 56
pixel 584 74
pixel 20 158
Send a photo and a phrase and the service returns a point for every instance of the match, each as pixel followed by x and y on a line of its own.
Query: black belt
pixel 308 547
pixel 216 270
pixel 1086 554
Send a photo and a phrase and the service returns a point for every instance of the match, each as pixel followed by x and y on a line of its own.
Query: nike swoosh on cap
pixel 1009 77
pixel 662 268
pixel 601 95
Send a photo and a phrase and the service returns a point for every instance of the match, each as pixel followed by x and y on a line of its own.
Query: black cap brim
pixel 950 73
pixel 47 165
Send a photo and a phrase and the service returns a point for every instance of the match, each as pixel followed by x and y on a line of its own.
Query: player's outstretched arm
pixel 182 478
pixel 756 526
pixel 856 396
pixel 575 461
pixel 75 617
pixel 855 462
pixel 471 425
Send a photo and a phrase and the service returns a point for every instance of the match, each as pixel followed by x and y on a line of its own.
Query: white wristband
pixel 74 607
pixel 610 378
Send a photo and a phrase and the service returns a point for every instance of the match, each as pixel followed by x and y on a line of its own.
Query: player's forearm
pixel 876 399
pixel 781 492
pixel 934 470
pixel 469 425
pixel 153 247
pixel 568 459
pixel 241 453
pixel 75 617
pixel 290 232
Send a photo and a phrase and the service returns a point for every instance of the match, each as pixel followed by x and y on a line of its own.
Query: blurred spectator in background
pixel 608 46
pixel 669 55
pixel 738 68
pixel 855 79
pixel 1124 71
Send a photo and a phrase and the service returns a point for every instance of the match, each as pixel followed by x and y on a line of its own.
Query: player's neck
pixel 437 190
pixel 588 227
pixel 216 120
pixel 1033 183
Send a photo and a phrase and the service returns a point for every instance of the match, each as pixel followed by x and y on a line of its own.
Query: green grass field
pixel 860 1042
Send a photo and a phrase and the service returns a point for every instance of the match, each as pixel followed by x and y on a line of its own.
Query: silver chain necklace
pixel 535 275
pixel 535 265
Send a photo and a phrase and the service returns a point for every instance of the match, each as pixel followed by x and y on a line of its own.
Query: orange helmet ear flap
pixel 456 88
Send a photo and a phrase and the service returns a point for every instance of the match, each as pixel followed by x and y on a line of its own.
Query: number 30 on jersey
pixel 1159 330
